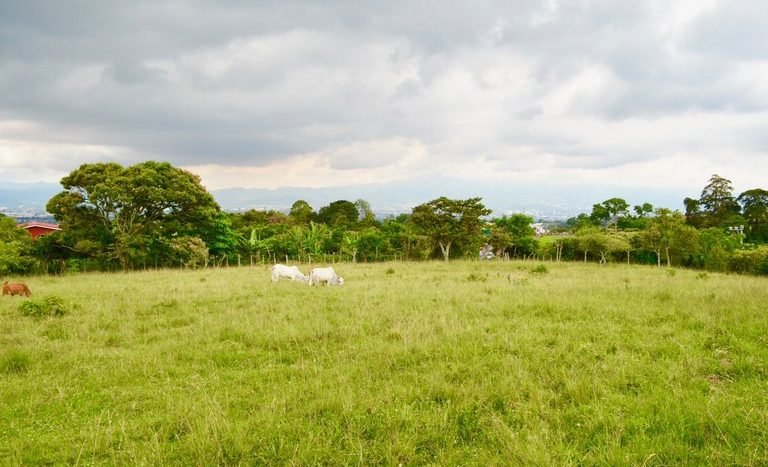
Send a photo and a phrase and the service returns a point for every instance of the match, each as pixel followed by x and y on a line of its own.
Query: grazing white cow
pixel 327 275
pixel 289 272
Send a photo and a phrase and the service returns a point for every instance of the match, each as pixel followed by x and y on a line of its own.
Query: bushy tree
pixel 500 239
pixel 219 236
pixel 609 211
pixel 301 212
pixel 717 206
pixel 128 211
pixel 693 215
pixel 755 210
pixel 668 234
pixel 405 238
pixel 521 233
pixel 339 214
pixel 592 241
pixel 716 246
pixel 450 222
pixel 372 243
pixel 582 221
pixel 638 220
pixel 191 252
pixel 643 210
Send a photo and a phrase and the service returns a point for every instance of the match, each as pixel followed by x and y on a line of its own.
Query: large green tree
pixel 301 212
pixel 339 214
pixel 755 210
pixel 643 210
pixel 450 222
pixel 668 234
pixel 521 233
pixel 609 211
pixel 603 244
pixel 693 215
pixel 371 243
pixel 405 238
pixel 133 213
pixel 717 204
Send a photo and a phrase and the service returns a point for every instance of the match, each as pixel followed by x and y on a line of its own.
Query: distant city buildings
pixel 545 213
pixel 24 214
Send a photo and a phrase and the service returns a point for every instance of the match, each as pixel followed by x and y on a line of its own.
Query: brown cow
pixel 16 288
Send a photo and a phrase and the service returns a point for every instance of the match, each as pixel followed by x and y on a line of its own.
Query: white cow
pixel 289 272
pixel 327 275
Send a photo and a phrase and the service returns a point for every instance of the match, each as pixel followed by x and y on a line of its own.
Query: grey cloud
pixel 306 76
pixel 731 31
pixel 129 72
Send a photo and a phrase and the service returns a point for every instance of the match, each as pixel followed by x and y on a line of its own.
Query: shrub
pixel 717 260
pixel 749 261
pixel 762 267
pixel 51 305
pixel 192 252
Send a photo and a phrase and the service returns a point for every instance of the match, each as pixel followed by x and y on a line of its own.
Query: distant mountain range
pixel 552 201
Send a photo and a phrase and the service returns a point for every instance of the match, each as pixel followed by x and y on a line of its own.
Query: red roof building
pixel 37 229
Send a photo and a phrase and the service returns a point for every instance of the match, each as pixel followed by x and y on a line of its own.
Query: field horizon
pixel 409 363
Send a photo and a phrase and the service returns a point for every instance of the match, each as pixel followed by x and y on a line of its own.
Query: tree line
pixel 154 215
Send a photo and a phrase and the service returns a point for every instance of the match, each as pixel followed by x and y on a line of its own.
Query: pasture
pixel 409 363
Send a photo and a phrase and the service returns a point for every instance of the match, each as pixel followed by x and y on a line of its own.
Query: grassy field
pixel 464 363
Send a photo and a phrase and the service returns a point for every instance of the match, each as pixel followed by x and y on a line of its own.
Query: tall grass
pixel 496 363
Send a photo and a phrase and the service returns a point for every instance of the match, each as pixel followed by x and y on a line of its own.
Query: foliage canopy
pixel 125 212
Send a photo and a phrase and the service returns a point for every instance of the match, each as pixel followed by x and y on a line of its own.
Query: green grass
pixel 465 363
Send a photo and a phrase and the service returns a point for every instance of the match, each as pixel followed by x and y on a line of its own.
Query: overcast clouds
pixel 300 93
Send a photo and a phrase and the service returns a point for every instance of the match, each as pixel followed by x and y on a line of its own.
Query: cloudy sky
pixel 266 94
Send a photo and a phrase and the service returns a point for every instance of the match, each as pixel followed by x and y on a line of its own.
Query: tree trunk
pixel 446 250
